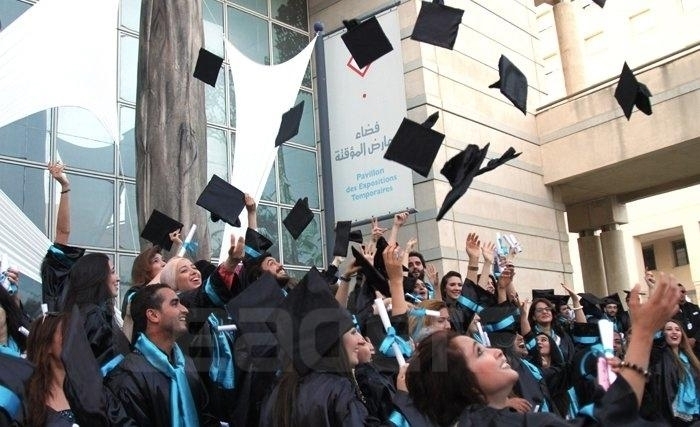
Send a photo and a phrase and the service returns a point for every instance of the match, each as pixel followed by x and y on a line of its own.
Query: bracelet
pixel 636 368
pixel 473 268
pixel 344 279
pixel 65 191
pixel 580 307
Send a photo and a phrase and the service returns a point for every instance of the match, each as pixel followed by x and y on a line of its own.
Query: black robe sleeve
pixel 54 272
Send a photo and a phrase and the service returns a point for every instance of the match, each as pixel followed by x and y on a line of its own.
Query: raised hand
pixel 250 204
pixel 473 246
pixel 400 219
pixel 377 231
pixel 488 251
pixel 57 172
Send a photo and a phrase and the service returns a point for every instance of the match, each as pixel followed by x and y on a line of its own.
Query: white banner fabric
pixel 61 53
pixel 365 108
pixel 263 94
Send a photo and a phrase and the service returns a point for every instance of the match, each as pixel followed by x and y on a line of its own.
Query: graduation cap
pixel 590 304
pixel 254 310
pixel 366 41
pixel 492 164
pixel 415 145
pixel 630 92
pixel 460 171
pixel 223 201
pixel 342 238
pixel 437 24
pixel 207 67
pixel 542 293
pixel 586 333
pixel 600 3
pixel 502 339
pixel 158 229
pixel 256 244
pixel 499 318
pixel 548 294
pixel 298 218
pixel 356 236
pixel 613 299
pixel 289 127
pixel 512 83
pixel 374 278
pixel 318 322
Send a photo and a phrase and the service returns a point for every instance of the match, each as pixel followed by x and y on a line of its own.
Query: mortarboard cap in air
pixel 207 67
pixel 492 164
pixel 373 277
pixel 415 145
pixel 460 171
pixel 158 229
pixel 512 83
pixel 342 238
pixel 366 41
pixel 630 92
pixel 289 127
pixel 256 244
pixel 437 24
pixel 356 236
pixel 591 305
pixel 600 3
pixel 298 218
pixel 223 201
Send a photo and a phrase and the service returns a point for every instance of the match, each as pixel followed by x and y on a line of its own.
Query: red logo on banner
pixel 353 66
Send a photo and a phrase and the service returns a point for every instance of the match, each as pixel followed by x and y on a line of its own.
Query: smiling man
pixel 157 384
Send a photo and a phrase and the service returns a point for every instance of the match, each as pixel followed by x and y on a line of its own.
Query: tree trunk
pixel 171 150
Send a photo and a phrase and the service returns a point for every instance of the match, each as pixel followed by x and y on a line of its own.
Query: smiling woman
pixel 454 379
pixel 181 275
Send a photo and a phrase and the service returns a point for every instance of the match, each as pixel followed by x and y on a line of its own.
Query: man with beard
pixel 417 269
pixel 156 383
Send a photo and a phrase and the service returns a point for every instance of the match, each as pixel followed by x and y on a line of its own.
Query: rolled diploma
pixel 188 239
pixel 379 303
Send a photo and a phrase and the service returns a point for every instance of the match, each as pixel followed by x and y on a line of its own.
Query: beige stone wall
pixel 511 199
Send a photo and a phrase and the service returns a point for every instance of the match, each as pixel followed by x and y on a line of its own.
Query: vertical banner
pixel 365 108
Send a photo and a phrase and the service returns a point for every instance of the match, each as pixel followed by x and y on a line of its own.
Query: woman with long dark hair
pixel 93 286
pixel 675 383
pixel 46 403
pixel 454 379
pixel 12 341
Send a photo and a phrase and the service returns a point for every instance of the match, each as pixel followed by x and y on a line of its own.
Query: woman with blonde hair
pixel 421 325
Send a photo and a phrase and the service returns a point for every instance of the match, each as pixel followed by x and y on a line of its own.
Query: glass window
pixel 292 12
pixel 215 101
pixel 92 213
pixel 649 258
pixel 216 234
pixel 680 253
pixel 270 191
pixel 10 10
pixel 125 264
pixel 131 14
pixel 128 62
pixel 287 44
pixel 307 249
pixel 249 34
pixel 267 226
pixel 307 134
pixel 217 159
pixel 213 16
pixel 26 187
pixel 127 145
pixel 259 6
pixel 298 176
pixel 232 103
pixel 27 138
pixel 128 218
pixel 83 141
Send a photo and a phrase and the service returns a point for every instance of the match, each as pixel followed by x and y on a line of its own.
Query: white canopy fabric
pixel 263 94
pixel 61 53
pixel 22 243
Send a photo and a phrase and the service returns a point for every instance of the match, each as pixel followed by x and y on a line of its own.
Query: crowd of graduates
pixel 379 338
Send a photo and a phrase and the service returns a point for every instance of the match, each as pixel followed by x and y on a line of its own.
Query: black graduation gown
pixel 145 392
pixel 662 387
pixel 106 340
pixel 617 407
pixel 54 271
pixel 14 373
pixel 323 399
pixel 377 389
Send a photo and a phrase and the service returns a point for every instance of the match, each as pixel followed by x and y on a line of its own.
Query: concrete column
pixel 571 50
pixel 613 244
pixel 691 234
pixel 592 269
